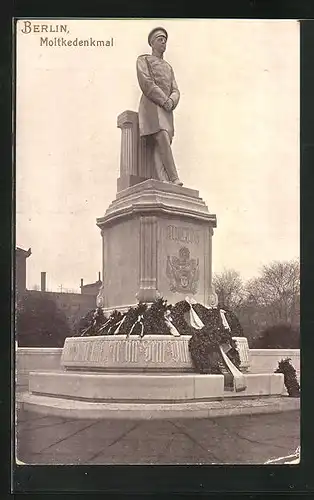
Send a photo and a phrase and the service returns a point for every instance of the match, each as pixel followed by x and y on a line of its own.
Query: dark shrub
pixel 40 323
pixel 290 377
pixel 281 336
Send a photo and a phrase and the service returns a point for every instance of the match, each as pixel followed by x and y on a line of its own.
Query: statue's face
pixel 160 44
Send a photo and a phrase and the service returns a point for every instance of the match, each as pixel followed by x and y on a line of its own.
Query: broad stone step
pixel 138 411
pixel 126 387
pixel 148 387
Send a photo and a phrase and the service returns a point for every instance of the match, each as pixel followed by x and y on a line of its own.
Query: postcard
pixel 157 241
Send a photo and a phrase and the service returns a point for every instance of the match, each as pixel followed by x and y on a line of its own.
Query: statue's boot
pixel 178 182
pixel 165 153
pixel 159 168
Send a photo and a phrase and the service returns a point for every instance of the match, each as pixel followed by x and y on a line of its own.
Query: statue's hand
pixel 168 106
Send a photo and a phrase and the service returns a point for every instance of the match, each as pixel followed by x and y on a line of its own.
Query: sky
pixel 236 137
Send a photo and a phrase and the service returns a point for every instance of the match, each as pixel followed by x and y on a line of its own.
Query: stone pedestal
pixel 118 353
pixel 157 241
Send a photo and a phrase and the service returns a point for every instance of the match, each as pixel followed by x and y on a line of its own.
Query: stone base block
pixel 121 387
pixel 67 408
pixel 127 181
pixel 126 387
pixel 34 358
pixel 261 384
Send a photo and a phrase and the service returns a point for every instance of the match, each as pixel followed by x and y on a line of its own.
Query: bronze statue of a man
pixel 160 97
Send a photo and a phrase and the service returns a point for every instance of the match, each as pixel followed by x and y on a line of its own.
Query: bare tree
pixel 270 299
pixel 229 288
pixel 276 293
pixel 251 318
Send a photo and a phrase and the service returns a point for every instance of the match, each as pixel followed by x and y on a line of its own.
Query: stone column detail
pixel 211 297
pixel 104 267
pixel 208 290
pixel 210 249
pixel 128 123
pixel 148 259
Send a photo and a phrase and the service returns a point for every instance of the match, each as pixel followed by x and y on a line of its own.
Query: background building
pixel 91 288
pixel 20 269
pixel 74 305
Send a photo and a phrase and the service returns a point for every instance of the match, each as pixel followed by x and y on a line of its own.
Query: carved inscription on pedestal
pixel 105 352
pixel 93 351
pixel 180 352
pixel 182 234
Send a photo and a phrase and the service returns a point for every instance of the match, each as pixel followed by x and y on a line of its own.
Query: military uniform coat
pixel 157 82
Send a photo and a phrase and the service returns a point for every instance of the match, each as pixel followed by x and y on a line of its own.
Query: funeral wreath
pixel 211 329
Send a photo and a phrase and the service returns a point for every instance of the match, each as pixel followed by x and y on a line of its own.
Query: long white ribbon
pixel 104 326
pixel 118 326
pixel 139 320
pixel 195 320
pixel 239 380
pixel 172 328
pixel 224 320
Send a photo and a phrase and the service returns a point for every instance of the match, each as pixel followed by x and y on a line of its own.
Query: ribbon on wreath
pixel 168 320
pixel 90 327
pixel 238 377
pixel 87 329
pixel 195 320
pixel 139 320
pixel 224 320
pixel 118 325
pixel 104 326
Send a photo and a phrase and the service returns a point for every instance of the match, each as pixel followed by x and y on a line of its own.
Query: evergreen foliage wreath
pixel 290 377
pixel 204 343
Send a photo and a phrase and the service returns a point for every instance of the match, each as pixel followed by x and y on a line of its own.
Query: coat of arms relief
pixel 183 272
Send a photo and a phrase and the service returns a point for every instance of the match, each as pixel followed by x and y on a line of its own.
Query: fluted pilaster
pixel 209 291
pixel 128 123
pixel 148 259
pixel 104 267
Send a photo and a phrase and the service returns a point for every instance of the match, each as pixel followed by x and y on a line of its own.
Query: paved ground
pixel 243 439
